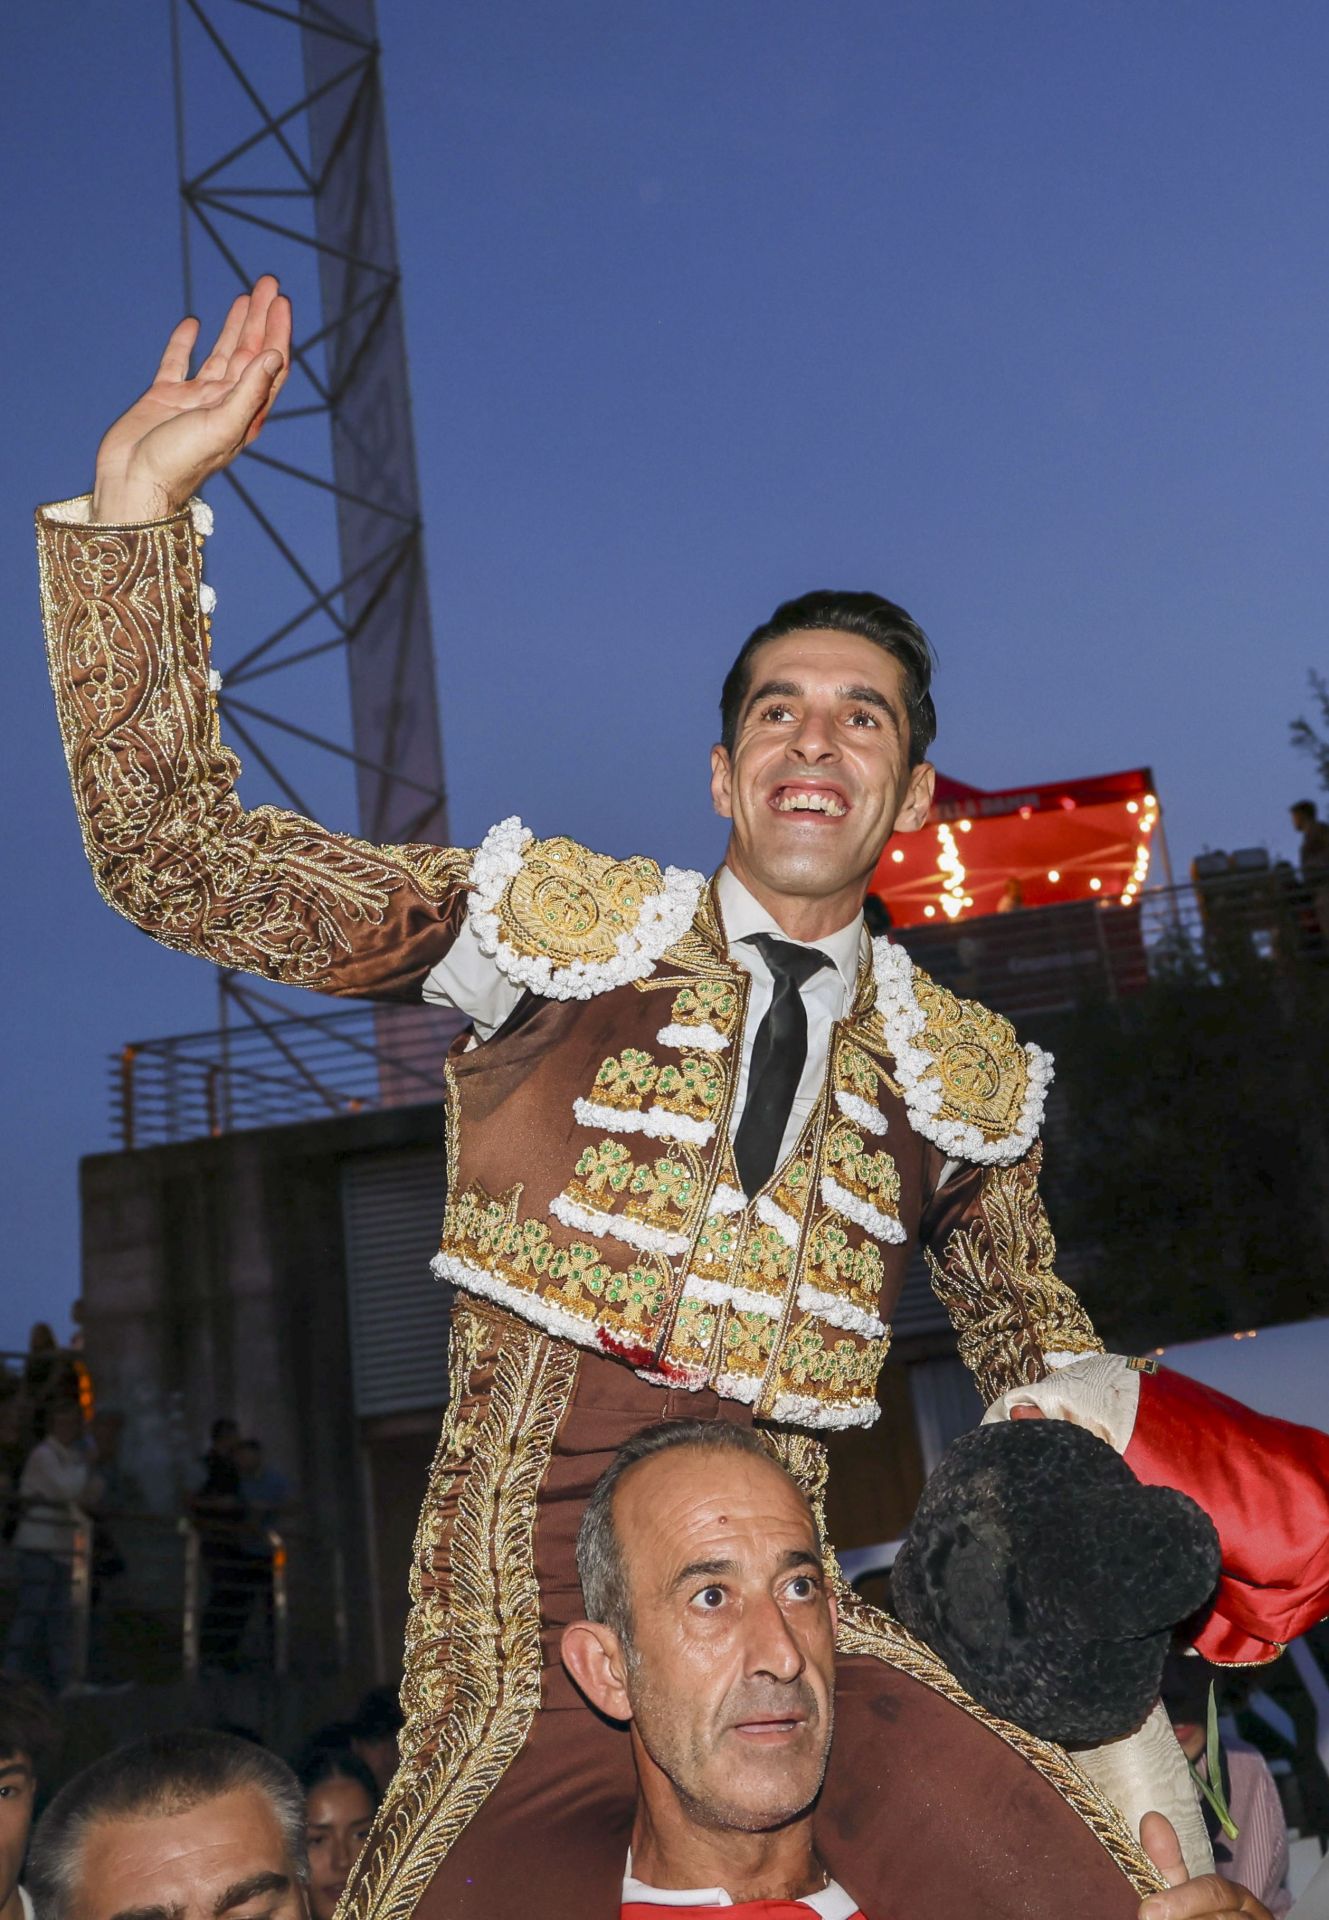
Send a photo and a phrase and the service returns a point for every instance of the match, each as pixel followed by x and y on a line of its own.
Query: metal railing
pixel 1048 959
pixel 275 1068
pixel 272 1068
pixel 136 1597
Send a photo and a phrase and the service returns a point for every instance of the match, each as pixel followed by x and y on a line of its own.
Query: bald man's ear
pixel 593 1655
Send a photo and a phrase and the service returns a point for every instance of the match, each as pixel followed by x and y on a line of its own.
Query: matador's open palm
pixel 183 431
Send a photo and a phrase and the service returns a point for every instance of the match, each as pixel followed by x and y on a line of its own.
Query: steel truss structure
pixel 283 167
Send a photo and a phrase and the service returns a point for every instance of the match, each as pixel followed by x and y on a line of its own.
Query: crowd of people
pixel 63 1491
pixel 709 1633
pixel 256 1815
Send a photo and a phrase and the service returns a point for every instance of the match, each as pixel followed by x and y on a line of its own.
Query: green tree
pixel 1308 739
pixel 1192 1154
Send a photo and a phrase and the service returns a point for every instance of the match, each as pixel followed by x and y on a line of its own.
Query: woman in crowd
pixel 340 1802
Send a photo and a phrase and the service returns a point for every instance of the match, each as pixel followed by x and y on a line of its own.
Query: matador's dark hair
pixel 871 617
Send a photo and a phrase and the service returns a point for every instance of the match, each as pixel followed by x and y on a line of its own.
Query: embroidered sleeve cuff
pixel 78 513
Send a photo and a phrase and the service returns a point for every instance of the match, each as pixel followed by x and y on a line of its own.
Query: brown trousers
pixel 513 1794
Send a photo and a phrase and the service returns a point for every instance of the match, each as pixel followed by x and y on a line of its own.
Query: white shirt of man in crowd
pixel 56 1479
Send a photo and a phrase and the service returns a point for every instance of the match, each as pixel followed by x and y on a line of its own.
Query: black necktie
pixel 778 1055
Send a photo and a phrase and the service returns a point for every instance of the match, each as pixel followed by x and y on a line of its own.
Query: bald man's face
pixel 225 1859
pixel 730 1676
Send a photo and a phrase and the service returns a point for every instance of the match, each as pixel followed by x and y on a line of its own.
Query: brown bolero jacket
pixel 592 1187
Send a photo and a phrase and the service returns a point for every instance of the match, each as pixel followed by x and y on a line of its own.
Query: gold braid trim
pixel 169 844
pixel 472 1685
pixel 998 1283
pixel 865 1629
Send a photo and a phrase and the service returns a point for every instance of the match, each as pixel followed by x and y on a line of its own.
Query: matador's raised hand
pixel 183 431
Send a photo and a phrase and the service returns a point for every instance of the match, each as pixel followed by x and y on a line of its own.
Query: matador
pixel 694 1131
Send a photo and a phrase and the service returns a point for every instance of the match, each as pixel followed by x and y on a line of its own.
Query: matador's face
pixel 731 1671
pixel 819 775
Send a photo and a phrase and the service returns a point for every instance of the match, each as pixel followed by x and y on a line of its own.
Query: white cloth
pixel 832 1903
pixel 469 979
pixel 57 1477
pixel 1100 1391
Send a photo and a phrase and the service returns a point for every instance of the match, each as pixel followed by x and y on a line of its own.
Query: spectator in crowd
pixel 1314 861
pixel 711 1633
pixel 341 1798
pixel 221 1471
pixel 25 1736
pixel 218 1510
pixel 190 1824
pixel 265 1500
pixel 55 1484
pixel 265 1491
pixel 120 1493
pixel 1258 1857
pixel 42 1368
pixel 374 1730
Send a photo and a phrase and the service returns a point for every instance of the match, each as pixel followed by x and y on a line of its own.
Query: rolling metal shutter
pixel 392 1207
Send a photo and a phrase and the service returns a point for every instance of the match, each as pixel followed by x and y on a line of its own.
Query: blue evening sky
pixel 1013 309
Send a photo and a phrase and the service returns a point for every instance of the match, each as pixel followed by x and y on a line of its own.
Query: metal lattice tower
pixel 288 105
pixel 283 167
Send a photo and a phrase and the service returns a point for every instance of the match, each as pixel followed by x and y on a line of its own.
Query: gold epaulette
pixel 568 923
pixel 969 1084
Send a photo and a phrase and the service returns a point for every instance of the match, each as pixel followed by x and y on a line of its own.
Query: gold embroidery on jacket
pixel 819 1362
pixel 715 1246
pixel 855 1072
pixel 488 1231
pixel 570 904
pixel 835 1265
pixel 655 1192
pixel 693 1341
pixel 169 844
pixel 866 1172
pixel 694 1087
pixel 998 1284
pixel 748 1339
pixel 983 1069
pixel 792 1186
pixel 864 1629
pixel 766 1260
pixel 706 1003
pixel 472 1667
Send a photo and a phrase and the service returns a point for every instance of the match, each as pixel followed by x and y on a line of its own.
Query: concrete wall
pixel 214 1284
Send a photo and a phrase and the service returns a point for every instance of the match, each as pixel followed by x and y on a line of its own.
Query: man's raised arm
pixel 127 642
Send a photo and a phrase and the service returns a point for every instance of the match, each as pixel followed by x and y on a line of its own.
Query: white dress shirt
pixel 469 979
pixel 827 996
